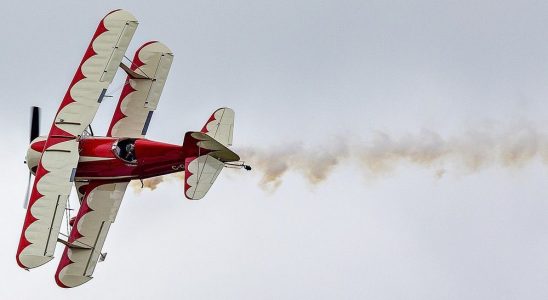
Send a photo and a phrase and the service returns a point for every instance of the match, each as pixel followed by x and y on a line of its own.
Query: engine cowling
pixel 34 153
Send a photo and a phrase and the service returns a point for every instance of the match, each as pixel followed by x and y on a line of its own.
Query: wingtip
pixel 157 46
pixel 121 14
pixel 31 261
pixel 70 281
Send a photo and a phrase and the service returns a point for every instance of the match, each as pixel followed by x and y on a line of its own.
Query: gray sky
pixel 306 74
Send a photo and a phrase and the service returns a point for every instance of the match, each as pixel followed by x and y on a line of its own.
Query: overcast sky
pixel 305 75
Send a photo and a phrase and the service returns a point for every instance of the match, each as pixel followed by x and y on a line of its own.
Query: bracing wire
pixel 126 82
pixel 139 68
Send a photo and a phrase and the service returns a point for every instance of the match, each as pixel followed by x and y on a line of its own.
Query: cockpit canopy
pixel 125 150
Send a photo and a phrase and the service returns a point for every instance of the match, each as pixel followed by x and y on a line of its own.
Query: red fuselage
pixel 100 158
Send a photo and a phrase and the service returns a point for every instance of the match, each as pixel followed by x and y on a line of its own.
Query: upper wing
pixel 140 96
pixel 57 166
pixel 96 71
pixel 83 249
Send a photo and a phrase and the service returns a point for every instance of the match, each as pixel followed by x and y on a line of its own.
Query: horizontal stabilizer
pixel 197 144
pixel 200 173
pixel 205 158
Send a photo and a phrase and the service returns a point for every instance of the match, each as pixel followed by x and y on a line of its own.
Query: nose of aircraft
pixel 34 152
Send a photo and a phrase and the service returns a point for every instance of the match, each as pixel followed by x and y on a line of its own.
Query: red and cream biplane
pixel 101 167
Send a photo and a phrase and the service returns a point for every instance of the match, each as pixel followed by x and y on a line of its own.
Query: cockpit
pixel 125 150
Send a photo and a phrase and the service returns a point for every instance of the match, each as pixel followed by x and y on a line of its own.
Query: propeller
pixel 26 202
pixel 34 123
pixel 34 133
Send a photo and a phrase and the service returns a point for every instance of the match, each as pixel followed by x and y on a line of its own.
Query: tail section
pixel 220 126
pixel 206 153
pixel 200 173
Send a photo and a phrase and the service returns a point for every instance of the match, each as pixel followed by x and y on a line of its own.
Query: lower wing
pixel 97 212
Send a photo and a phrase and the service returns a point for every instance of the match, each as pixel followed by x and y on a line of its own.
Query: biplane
pixel 100 168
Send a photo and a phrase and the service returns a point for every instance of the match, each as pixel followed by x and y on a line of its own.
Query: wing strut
pixel 132 74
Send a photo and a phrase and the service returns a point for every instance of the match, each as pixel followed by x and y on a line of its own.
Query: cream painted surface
pixel 99 70
pixel 93 158
pixel 222 126
pixel 55 186
pixel 122 32
pixel 162 59
pixel 33 157
pixel 219 151
pixel 104 202
pixel 157 59
pixel 204 170
pixel 77 185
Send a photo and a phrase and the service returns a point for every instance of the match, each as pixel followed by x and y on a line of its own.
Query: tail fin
pixel 220 126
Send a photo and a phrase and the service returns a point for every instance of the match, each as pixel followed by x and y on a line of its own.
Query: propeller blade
pixel 26 202
pixel 35 123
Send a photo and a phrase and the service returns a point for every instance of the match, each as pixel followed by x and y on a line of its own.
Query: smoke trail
pixel 469 152
pixel 380 155
pixel 314 164
pixel 151 183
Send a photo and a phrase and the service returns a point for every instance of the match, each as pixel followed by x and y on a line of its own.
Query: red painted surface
pixel 128 89
pixel 38 146
pixel 211 118
pixel 153 159
pixel 188 160
pixel 55 131
pixel 74 233
pixel 99 162
pixel 98 159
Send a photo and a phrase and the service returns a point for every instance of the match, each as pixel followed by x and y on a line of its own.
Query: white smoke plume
pixel 468 152
pixel 314 164
pixel 154 182
pixel 150 183
pixel 382 154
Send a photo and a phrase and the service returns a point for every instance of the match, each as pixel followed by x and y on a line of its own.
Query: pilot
pixel 130 152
